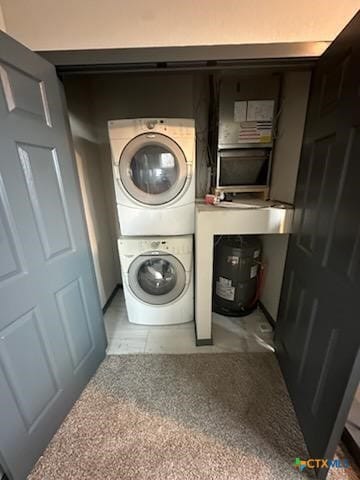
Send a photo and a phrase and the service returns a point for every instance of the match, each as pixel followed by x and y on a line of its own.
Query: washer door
pixel 157 279
pixel 153 169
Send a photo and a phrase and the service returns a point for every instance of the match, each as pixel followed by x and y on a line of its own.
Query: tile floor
pixel 247 334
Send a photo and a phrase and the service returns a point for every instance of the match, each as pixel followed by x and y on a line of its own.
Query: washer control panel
pixel 155 245
pixel 137 246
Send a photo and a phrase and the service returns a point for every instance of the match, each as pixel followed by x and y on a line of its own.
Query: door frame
pixel 291 55
pixel 287 56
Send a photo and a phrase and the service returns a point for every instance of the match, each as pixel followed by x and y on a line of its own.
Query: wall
pixel 134 96
pixel 88 159
pixel 115 96
pixel 200 102
pixel 273 257
pixel 293 105
pixel 2 20
pixel 92 101
pixel 83 24
pixel 143 95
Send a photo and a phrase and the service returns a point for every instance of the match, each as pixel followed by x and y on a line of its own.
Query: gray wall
pixel 134 96
pixel 286 158
pixel 293 107
pixel 93 185
pixel 92 101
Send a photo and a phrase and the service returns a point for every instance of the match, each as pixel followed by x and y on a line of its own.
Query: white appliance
pixel 154 174
pixel 158 279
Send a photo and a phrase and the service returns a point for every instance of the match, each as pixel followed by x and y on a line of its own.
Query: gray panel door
pixel 51 330
pixel 318 330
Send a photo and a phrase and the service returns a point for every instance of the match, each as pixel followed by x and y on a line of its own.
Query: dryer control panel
pixel 172 127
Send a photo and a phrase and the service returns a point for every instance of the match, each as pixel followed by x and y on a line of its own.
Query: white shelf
pixel 212 220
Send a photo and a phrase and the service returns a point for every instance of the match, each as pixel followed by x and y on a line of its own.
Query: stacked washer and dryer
pixel 154 176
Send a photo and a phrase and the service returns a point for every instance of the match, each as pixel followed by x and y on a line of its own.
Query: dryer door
pixel 153 169
pixel 157 279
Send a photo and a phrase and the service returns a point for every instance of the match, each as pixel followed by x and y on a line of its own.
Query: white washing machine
pixel 158 279
pixel 154 174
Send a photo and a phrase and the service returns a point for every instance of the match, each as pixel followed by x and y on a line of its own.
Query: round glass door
pixel 157 279
pixel 157 276
pixel 153 169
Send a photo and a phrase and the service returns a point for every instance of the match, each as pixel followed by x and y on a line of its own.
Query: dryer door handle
pixel 188 170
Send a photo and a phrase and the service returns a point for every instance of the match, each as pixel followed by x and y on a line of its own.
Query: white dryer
pixel 158 279
pixel 154 174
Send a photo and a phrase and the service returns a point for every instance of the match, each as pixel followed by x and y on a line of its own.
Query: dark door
pixel 51 330
pixel 318 330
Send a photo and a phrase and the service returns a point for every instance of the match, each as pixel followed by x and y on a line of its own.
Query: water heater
pixel 236 269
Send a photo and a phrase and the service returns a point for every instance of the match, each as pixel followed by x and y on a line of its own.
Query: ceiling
pixel 94 24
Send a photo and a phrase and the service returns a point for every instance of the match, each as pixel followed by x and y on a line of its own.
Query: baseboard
pixel 267 314
pixel 110 299
pixel 202 342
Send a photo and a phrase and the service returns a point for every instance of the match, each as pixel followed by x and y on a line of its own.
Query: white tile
pixel 183 342
pixel 123 345
pixel 189 326
pixel 229 341
pixel 127 329
pixel 256 343
pixel 177 340
pixel 113 312
pixel 119 300
pixel 230 334
pixel 242 333
pixel 231 324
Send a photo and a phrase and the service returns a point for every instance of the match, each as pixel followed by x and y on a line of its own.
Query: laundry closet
pixel 53 336
pixel 95 99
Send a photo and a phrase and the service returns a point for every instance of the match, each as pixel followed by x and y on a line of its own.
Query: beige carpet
pixel 179 417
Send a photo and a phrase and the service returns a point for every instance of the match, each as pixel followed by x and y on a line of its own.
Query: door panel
pixel 46 193
pixel 24 93
pixel 51 330
pixel 318 332
pixel 75 319
pixel 28 369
